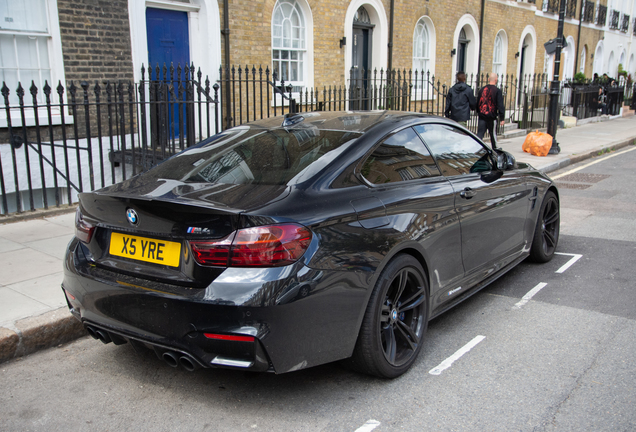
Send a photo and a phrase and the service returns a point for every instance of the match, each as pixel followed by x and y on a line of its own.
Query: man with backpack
pixel 490 105
pixel 460 101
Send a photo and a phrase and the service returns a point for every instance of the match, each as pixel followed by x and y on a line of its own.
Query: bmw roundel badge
pixel 132 216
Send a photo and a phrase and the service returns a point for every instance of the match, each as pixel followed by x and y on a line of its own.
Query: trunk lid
pixel 167 214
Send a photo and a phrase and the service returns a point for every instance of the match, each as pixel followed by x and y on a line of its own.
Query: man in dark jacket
pixel 490 105
pixel 460 101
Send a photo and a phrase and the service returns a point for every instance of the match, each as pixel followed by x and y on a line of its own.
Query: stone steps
pixel 513 133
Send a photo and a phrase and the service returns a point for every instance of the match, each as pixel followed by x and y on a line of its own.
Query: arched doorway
pixel 598 59
pixel 361 58
pixel 466 47
pixel 525 65
pixel 378 37
pixel 611 65
pixel 583 59
pixel 621 63
pixel 568 59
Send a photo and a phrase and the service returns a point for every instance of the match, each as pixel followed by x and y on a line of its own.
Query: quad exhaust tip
pixel 172 358
pixel 99 334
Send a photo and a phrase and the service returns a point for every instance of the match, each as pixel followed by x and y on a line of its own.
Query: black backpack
pixel 486 105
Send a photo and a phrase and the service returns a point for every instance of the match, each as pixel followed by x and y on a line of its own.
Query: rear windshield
pixel 245 155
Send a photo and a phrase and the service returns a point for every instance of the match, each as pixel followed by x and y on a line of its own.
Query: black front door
pixel 461 57
pixel 462 48
pixel 522 65
pixel 360 68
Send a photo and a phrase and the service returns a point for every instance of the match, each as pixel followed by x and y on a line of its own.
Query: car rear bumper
pixel 285 318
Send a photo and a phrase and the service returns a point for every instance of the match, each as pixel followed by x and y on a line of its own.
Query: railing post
pixel 47 94
pixel 87 120
pixel 34 95
pixel 122 126
pixel 73 90
pixel 97 90
pixel 7 104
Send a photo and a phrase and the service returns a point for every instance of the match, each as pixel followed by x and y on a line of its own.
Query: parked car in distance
pixel 292 242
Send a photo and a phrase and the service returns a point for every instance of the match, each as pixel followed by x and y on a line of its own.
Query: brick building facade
pixel 89 40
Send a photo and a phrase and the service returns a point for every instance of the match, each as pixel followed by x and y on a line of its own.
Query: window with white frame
pixel 24 46
pixel 289 44
pixel 498 55
pixel 421 48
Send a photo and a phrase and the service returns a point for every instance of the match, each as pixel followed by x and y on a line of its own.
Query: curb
pixel 56 327
pixel 585 156
pixel 36 333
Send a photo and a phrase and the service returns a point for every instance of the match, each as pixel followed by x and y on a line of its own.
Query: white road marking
pixel 591 163
pixel 567 265
pixel 449 361
pixel 526 298
pixel 368 426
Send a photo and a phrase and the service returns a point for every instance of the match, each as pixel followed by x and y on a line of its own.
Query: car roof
pixel 353 121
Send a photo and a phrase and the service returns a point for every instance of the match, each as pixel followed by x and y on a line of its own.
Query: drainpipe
pixel 226 33
pixel 390 64
pixel 481 33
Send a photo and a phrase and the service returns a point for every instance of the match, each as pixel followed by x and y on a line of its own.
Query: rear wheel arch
pixel 408 250
pixel 546 233
pixel 395 320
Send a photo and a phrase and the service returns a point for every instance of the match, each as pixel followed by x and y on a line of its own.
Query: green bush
pixel 621 71
pixel 579 78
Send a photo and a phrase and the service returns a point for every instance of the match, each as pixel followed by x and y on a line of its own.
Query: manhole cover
pixel 584 178
pixel 573 186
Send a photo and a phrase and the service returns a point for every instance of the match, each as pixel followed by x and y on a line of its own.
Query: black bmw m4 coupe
pixel 292 242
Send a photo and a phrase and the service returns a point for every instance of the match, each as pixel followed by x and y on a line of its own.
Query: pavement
pixel 33 310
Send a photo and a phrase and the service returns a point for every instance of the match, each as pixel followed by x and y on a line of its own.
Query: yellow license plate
pixel 145 249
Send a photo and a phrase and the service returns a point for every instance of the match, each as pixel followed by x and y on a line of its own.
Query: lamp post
pixel 555 85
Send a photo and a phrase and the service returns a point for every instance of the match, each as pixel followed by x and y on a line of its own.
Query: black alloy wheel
pixel 395 322
pixel 546 233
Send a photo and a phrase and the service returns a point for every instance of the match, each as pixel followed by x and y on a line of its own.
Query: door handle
pixel 467 193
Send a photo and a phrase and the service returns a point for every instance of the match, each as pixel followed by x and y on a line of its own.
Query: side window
pixel 456 152
pixel 402 156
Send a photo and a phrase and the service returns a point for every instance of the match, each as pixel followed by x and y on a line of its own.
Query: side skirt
pixel 475 289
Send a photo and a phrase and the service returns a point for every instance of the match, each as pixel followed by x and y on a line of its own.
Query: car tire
pixel 546 232
pixel 395 321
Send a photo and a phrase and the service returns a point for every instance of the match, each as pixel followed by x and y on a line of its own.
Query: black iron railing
pixel 92 135
pixel 592 100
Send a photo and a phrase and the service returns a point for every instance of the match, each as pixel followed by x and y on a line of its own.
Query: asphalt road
pixel 545 348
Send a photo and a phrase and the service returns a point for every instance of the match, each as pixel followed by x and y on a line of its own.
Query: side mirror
pixel 491 176
pixel 505 161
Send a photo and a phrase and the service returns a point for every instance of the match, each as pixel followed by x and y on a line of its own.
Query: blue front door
pixel 168 42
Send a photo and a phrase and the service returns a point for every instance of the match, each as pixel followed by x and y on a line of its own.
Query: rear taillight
pixel 265 246
pixel 83 229
pixel 212 253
